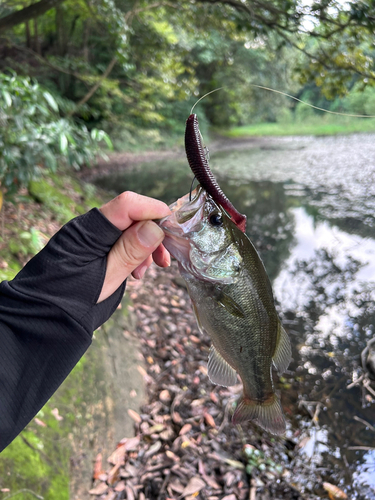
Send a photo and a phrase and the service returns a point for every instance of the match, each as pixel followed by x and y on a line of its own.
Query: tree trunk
pixel 30 12
pixel 28 36
pixel 36 38
pixel 86 36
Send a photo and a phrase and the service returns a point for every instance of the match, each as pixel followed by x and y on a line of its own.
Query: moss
pixel 60 204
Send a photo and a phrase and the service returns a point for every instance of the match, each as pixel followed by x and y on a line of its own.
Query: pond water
pixel 310 206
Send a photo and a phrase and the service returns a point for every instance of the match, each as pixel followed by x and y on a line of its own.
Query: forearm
pixel 47 316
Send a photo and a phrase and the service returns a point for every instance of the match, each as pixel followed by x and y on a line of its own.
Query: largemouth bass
pixel 233 303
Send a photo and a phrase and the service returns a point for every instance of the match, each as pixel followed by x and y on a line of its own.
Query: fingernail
pixel 149 234
pixel 140 272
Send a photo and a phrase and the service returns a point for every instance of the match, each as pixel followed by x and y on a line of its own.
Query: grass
pixel 326 125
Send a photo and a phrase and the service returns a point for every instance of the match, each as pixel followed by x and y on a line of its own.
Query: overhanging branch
pixel 30 12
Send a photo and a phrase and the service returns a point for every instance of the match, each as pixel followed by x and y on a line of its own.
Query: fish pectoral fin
pixel 283 352
pixel 229 304
pixel 219 371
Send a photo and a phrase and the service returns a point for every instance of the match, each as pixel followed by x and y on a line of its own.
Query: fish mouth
pixel 187 215
pixel 186 218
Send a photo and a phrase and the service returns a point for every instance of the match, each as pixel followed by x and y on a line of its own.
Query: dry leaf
pixel 135 416
pixel 111 495
pixel 194 486
pixel 99 489
pixel 131 444
pixel 40 422
pixel 176 417
pixel 209 419
pixel 334 492
pixel 165 396
pixel 185 429
pixel 153 449
pixel 114 474
pixel 120 486
pixel 55 413
pixel 118 456
pixel 98 466
pixel 129 493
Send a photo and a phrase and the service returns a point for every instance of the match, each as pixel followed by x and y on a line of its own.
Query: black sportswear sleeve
pixel 48 314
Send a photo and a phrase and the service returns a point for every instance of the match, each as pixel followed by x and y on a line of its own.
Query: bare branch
pixel 31 12
pixel 92 91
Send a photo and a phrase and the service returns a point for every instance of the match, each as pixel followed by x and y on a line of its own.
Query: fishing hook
pixel 191 187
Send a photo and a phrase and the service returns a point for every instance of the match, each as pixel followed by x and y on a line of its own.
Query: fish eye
pixel 216 220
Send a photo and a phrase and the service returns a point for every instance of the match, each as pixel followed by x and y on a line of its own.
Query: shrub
pixel 34 136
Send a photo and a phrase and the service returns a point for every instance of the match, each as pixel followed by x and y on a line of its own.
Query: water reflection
pixel 311 215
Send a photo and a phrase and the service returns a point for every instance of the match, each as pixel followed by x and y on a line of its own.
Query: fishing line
pixel 290 97
pixel 308 104
pixel 203 96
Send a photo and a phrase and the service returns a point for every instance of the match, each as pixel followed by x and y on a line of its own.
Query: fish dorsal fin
pixel 283 352
pixel 219 371
pixel 229 304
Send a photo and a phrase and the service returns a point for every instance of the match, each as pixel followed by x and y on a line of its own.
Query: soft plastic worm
pixel 198 162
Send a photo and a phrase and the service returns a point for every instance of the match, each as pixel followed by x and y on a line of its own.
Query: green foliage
pixel 33 136
pixel 135 67
pixel 27 243
pixel 256 459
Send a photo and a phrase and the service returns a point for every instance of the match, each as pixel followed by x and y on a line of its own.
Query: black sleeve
pixel 47 316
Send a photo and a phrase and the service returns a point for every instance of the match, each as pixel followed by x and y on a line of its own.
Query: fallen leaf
pixel 135 416
pixel 131 444
pixel 40 422
pixel 334 492
pixel 185 429
pixel 98 469
pixel 99 489
pixel 55 413
pixel 195 339
pixel 165 396
pixel 129 493
pixel 234 463
pixel 153 449
pixel 194 486
pixel 114 474
pixel 118 456
pixel 111 495
pixel 209 419
pixel 120 486
pixel 176 417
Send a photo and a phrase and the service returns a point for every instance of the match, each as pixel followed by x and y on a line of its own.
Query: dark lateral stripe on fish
pixel 199 165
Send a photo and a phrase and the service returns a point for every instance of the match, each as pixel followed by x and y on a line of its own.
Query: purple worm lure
pixel 198 162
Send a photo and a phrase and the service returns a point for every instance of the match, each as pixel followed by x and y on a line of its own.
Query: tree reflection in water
pixel 331 326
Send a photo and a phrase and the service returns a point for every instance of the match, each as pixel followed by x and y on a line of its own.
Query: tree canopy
pixel 135 67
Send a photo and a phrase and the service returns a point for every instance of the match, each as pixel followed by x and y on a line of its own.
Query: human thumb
pixel 133 247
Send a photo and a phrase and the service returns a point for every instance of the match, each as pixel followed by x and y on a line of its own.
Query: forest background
pixel 76 73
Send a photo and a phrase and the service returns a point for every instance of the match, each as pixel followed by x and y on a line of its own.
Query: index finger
pixel 129 207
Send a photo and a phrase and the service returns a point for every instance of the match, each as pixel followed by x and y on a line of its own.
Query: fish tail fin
pixel 268 415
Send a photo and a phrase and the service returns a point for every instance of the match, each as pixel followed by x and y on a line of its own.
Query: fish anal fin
pixel 229 304
pixel 219 371
pixel 268 415
pixel 283 352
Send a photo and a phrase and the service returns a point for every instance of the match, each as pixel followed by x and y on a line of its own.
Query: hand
pixel 140 243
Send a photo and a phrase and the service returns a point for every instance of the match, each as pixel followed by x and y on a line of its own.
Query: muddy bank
pixel 111 385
